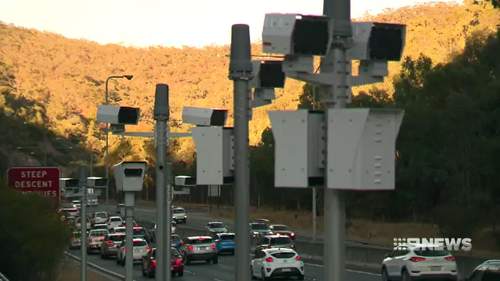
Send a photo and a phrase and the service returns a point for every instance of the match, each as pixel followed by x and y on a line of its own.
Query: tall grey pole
pixel 82 183
pixel 107 143
pixel 336 62
pixel 129 236
pixel 240 71
pixel 168 215
pixel 161 115
pixel 91 162
pixel 314 212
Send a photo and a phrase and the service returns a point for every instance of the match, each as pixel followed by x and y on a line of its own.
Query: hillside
pixel 66 77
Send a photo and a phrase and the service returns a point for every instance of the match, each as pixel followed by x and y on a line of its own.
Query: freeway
pixel 224 271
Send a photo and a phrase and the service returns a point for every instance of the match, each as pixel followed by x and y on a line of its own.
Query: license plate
pixel 435 268
pixel 137 250
pixel 202 248
pixel 286 269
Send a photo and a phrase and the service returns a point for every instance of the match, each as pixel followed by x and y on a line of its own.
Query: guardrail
pixel 359 255
pixel 98 268
pixel 3 278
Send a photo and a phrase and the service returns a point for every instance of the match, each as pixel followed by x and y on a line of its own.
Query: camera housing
pixel 114 114
pixel 129 176
pixel 200 116
pixel 97 182
pixel 185 181
pixel 377 41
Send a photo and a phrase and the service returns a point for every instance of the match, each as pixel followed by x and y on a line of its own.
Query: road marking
pixel 190 272
pixel 216 279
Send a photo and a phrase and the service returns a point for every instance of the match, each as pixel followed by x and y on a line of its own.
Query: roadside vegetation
pixel 32 237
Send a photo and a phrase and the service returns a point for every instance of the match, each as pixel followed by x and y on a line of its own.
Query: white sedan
pixel 270 263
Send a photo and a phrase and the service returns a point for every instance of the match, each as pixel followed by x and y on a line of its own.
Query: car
pixel 149 263
pixel 114 222
pixel 176 241
pixel 100 217
pixel 101 226
pixel 70 221
pixel 140 249
pixel 179 215
pixel 77 204
pixel 265 221
pixel 199 248
pixel 95 240
pixel 135 224
pixel 215 227
pixel 270 263
pixel 110 245
pixel 225 242
pixel 119 230
pixel 419 261
pixel 92 201
pixel 275 241
pixel 141 232
pixel 282 230
pixel 258 229
pixel 487 271
pixel 174 227
pixel 76 240
pixel 118 207
pixel 69 212
pixel 78 223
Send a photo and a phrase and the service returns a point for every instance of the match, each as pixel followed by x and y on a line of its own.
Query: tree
pixel 32 234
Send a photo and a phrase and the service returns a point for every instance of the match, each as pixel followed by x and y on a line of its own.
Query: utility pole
pixel 161 115
pixel 82 183
pixel 314 211
pixel 240 71
pixel 129 235
pixel 336 96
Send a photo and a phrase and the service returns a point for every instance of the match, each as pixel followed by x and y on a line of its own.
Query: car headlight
pixel 255 232
pixel 185 217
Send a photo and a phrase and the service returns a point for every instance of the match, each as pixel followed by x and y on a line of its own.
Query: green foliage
pixel 32 236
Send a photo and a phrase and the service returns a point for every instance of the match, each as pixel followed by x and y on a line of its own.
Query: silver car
pixel 115 222
pixel 215 227
pixel 76 240
pixel 179 215
pixel 110 245
pixel 119 230
pixel 78 223
pixel 95 240
pixel 100 217
pixel 101 226
pixel 199 248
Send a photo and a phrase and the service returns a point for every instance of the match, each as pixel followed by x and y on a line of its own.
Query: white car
pixel 419 261
pixel 119 230
pixel 114 222
pixel 100 217
pixel 101 226
pixel 78 223
pixel 141 248
pixel 270 263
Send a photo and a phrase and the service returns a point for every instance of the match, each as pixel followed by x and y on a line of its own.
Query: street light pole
pixel 129 77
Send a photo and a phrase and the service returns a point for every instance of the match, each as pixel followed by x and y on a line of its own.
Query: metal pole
pixel 240 71
pixel 82 178
pixel 91 162
pixel 161 115
pixel 129 236
pixel 107 144
pixel 314 211
pixel 336 62
pixel 168 225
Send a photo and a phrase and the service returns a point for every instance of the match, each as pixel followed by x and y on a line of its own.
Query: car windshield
pixel 98 233
pixel 217 225
pixel 200 241
pixel 176 238
pixel 286 255
pixel 178 211
pixel 116 238
pixel 101 226
pixel 431 252
pixel 139 231
pixel 281 227
pixel 115 219
pixel 101 215
pixel 174 252
pixel 259 226
pixel 227 237
pixel 281 241
pixel 140 243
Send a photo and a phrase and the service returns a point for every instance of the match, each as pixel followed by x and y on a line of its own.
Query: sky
pixel 176 23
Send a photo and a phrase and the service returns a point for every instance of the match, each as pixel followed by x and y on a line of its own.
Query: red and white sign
pixel 41 180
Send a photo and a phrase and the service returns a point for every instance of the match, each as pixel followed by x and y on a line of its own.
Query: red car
pixel 149 263
pixel 281 229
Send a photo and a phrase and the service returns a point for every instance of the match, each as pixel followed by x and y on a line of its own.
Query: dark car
pixel 487 271
pixel 149 263
pixel 141 232
pixel 275 241
pixel 282 230
pixel 259 229
pixel 176 241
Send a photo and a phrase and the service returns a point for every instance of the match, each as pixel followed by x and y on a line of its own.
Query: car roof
pixel 198 237
pixel 178 208
pixel 119 227
pixel 215 222
pixel 225 233
pixel 139 239
pixel 115 217
pixel 100 212
pixel 101 224
pixel 278 250
pixel 277 236
pixel 279 225
pixel 116 234
pixel 138 227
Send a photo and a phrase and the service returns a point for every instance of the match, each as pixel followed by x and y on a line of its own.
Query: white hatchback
pixel 419 261
pixel 114 222
pixel 270 263
pixel 140 249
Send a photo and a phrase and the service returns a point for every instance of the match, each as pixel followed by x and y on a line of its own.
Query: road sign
pixel 40 180
pixel 213 190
